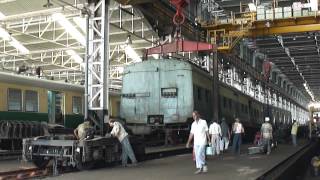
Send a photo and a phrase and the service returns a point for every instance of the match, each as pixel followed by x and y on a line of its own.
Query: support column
pixel 310 123
pixel 215 87
pixel 97 87
pixel 255 56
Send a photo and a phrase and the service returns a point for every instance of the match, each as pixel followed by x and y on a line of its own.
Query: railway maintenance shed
pixel 146 73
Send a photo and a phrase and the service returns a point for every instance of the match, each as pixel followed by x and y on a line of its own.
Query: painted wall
pixel 114 105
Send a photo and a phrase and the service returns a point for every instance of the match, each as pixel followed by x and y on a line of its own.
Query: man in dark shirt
pixel 225 131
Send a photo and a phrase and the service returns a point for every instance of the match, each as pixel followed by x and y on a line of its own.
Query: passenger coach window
pixel 14 100
pixel 207 96
pixel 31 101
pixel 230 104
pixel 199 93
pixel 76 105
pixel 224 102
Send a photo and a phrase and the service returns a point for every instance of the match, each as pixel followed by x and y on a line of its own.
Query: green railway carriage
pixel 163 93
pixel 31 99
pixel 25 98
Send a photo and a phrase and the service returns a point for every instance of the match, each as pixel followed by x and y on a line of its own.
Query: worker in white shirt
pixel 294 132
pixel 237 130
pixel 215 133
pixel 199 133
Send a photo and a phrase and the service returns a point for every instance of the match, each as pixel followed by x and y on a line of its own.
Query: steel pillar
pixel 98 60
pixel 215 87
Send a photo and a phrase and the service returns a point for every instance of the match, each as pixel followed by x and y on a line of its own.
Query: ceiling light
pixel 252 7
pixel 81 22
pixel 307 88
pixel 314 105
pixel 18 46
pixel 128 40
pixel 120 69
pixel 65 23
pixel 313 5
pixel 4 34
pixel 2 16
pixel 6 1
pixel 13 42
pixel 155 56
pixel 132 53
pixel 75 56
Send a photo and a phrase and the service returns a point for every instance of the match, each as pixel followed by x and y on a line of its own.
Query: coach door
pixel 55 107
pixel 169 103
pixel 141 107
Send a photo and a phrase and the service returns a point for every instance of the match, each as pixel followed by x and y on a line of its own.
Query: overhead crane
pixel 226 34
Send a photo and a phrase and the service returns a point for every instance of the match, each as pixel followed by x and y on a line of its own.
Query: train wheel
pixel 83 165
pixel 40 162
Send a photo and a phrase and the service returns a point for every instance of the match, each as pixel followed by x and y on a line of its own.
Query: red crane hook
pixel 179 17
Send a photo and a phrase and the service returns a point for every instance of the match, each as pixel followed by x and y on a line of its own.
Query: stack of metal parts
pixel 21 129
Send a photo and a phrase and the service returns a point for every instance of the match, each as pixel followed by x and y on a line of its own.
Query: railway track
pixel 32 173
pixel 295 166
pixel 8 155
pixel 24 174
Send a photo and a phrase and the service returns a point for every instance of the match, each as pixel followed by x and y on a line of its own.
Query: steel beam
pixel 134 2
pixel 274 27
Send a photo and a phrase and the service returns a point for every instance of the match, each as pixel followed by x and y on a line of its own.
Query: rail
pixel 295 166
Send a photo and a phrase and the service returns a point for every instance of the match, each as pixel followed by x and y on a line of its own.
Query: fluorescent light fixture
pixel 4 34
pixel 120 69
pixel 6 1
pixel 65 23
pixel 155 56
pixel 18 46
pixel 308 91
pixel 132 53
pixel 314 104
pixel 252 7
pixel 81 22
pixel 13 42
pixel 313 5
pixel 2 16
pixel 75 56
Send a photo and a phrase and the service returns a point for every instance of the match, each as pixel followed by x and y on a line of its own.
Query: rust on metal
pixel 24 174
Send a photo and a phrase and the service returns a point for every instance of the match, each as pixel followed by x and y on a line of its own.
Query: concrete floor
pixel 225 167
pixel 11 165
pixel 164 148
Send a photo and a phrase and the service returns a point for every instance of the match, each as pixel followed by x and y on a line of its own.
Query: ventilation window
pixel 169 92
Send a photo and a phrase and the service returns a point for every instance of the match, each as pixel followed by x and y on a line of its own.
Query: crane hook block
pixel 179 17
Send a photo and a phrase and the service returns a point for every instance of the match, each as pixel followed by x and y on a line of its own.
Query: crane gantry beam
pixel 230 33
